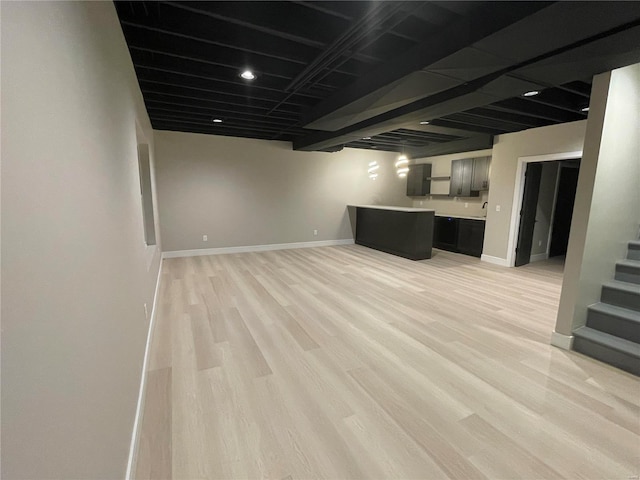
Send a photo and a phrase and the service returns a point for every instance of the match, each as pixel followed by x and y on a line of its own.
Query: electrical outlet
pixel 421 202
pixel 497 208
pixel 146 312
pixel 205 238
pixel 466 204
pixel 315 233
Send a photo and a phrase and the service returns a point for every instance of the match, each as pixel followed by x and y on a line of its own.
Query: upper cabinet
pixel 461 173
pixel 419 180
pixel 480 177
pixel 469 177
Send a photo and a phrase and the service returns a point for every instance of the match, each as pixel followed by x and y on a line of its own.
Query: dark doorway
pixel 528 213
pixel 567 185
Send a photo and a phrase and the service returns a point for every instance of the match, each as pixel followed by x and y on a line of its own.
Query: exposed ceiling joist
pixel 331 74
pixel 455 37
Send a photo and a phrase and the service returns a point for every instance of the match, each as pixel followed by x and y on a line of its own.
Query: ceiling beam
pixel 218 99
pixel 213 128
pixel 201 32
pixel 265 21
pixel 479 142
pixel 214 85
pixel 520 106
pixel 462 33
pixel 210 114
pixel 197 51
pixel 191 129
pixel 471 126
pixel 207 118
pixel 445 102
pixel 180 87
pixel 152 72
pixel 515 118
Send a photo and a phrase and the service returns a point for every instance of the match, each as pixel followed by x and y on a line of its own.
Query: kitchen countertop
pixel 466 217
pixel 397 209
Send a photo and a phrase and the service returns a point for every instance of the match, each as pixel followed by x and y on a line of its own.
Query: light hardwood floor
pixel 348 363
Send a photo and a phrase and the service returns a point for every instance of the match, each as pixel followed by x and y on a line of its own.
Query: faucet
pixel 484 205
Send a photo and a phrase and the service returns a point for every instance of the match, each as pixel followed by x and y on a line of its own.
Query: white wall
pixel 507 148
pixel 243 192
pixel 440 201
pixel 606 214
pixel 75 269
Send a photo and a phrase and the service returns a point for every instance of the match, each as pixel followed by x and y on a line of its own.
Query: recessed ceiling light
pixel 248 75
pixel 366 138
pixel 217 120
pixel 585 109
pixel 531 93
pixel 424 123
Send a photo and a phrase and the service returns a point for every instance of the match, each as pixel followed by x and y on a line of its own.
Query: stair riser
pixel 618 359
pixel 620 327
pixel 633 254
pixel 620 298
pixel 627 276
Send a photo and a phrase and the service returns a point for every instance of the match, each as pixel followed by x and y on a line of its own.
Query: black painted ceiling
pixel 364 74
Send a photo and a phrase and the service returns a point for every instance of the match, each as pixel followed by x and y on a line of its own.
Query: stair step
pixel 621 294
pixel 621 322
pixel 628 271
pixel 634 250
pixel 610 349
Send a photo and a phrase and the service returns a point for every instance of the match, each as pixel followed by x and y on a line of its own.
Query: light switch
pixel 497 208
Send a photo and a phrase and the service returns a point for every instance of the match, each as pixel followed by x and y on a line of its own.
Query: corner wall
pixel 243 192
pixel 507 148
pixel 606 215
pixel 75 270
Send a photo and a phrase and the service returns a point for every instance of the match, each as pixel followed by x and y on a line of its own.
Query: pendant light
pixel 402 165
pixel 373 166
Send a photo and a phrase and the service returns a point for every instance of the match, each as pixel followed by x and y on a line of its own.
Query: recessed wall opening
pixel 146 194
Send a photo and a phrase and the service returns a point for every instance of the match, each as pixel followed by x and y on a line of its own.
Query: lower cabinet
pixel 445 233
pixel 459 235
pixel 470 237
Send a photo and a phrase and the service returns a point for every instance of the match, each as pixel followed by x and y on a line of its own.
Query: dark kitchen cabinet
pixel 459 235
pixel 419 180
pixel 461 175
pixel 480 175
pixel 469 177
pixel 445 233
pixel 470 237
pixel 400 232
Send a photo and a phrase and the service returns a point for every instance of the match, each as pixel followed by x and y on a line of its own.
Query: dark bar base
pixel 406 234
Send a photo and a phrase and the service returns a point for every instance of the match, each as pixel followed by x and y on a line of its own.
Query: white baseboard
pixel 561 340
pixel 254 248
pixel 539 257
pixel 135 435
pixel 495 260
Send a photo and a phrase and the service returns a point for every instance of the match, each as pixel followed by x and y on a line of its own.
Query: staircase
pixel 612 332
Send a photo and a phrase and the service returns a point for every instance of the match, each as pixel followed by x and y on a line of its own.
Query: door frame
pixel 519 190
